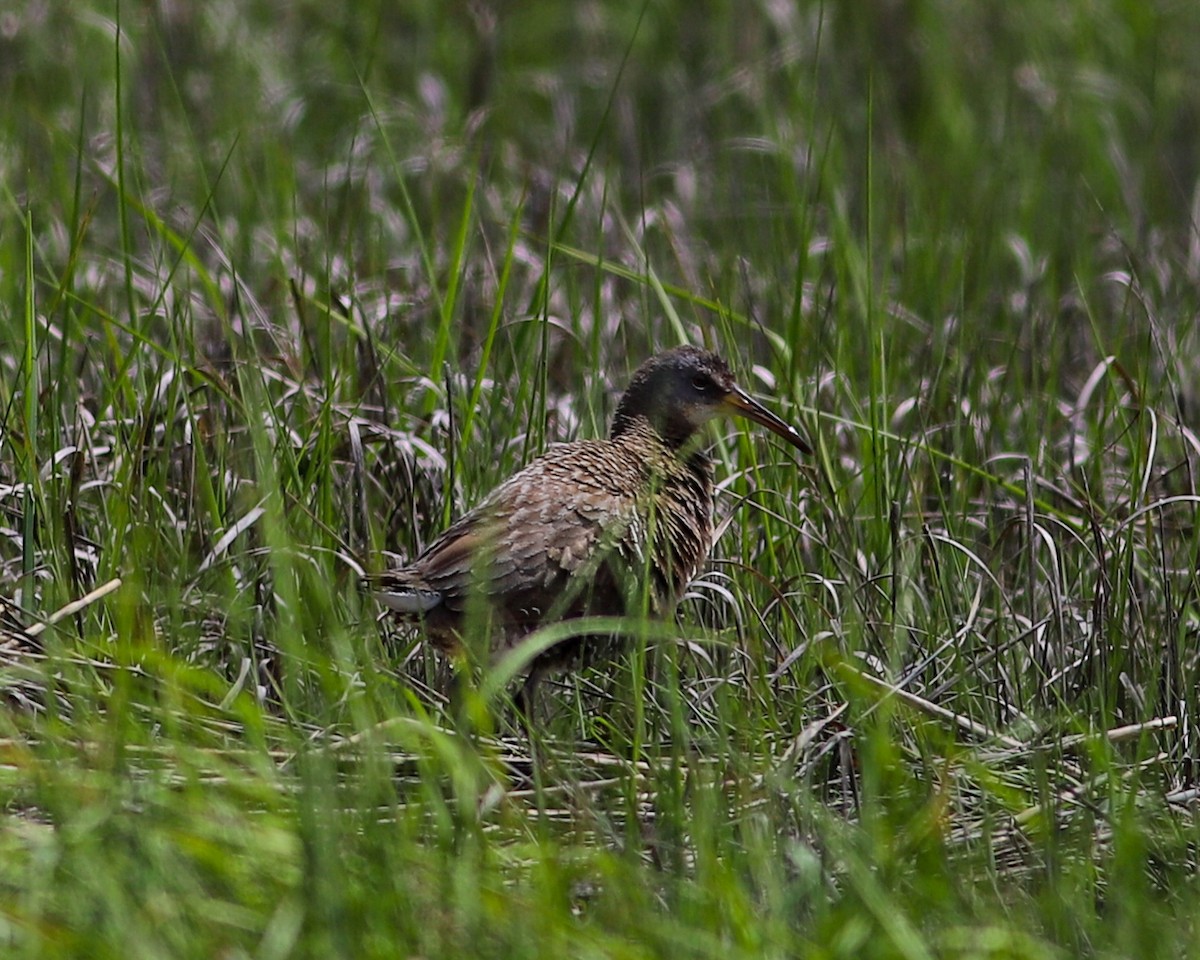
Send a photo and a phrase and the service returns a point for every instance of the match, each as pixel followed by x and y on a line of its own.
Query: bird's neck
pixel 675 433
pixel 654 445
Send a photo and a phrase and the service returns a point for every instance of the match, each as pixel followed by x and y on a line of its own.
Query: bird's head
pixel 680 390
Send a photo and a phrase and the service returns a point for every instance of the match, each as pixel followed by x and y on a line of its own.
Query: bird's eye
pixel 703 385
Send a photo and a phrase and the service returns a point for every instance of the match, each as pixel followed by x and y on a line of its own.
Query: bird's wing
pixel 545 526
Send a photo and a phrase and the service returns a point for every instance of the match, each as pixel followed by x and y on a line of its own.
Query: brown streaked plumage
pixel 566 536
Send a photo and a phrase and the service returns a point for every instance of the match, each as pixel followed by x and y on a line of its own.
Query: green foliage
pixel 285 287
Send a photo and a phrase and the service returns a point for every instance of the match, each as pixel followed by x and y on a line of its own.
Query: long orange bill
pixel 744 405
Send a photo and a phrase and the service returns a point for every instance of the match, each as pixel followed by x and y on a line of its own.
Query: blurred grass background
pixel 284 287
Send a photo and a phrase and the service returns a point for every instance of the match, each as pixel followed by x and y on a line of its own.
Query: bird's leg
pixel 525 700
pixel 456 694
pixel 524 704
pixel 461 693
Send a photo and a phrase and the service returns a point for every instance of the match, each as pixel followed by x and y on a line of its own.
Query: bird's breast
pixel 677 520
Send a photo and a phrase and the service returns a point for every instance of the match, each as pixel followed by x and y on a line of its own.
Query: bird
pixel 606 527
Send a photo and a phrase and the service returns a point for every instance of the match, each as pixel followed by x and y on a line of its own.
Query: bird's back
pixel 566 537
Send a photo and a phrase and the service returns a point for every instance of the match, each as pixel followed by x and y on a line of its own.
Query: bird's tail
pixel 403 592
